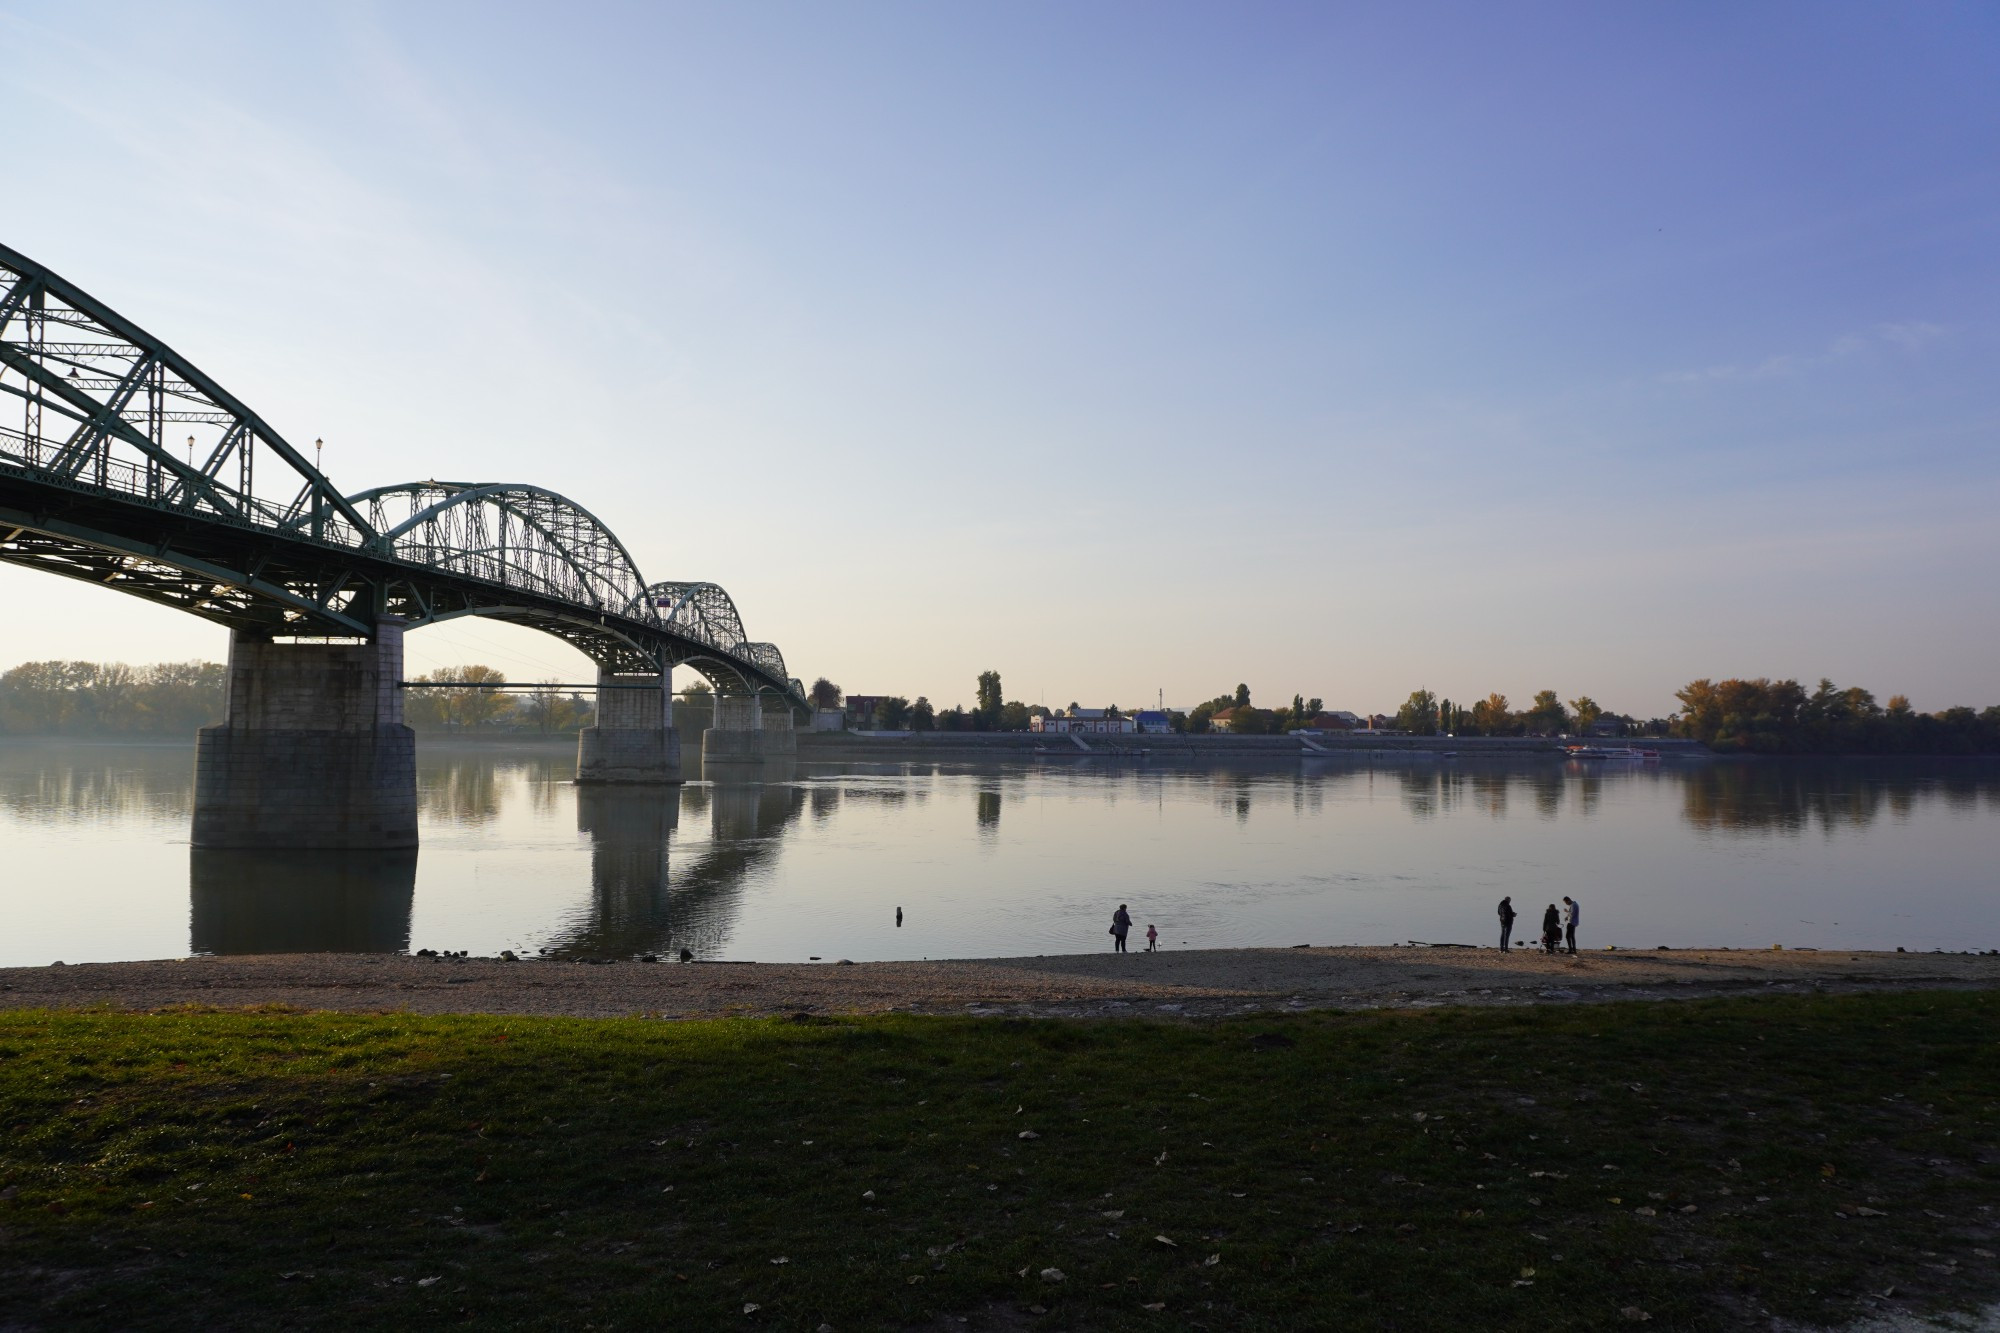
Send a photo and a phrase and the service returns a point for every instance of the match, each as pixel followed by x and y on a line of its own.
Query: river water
pixel 1031 857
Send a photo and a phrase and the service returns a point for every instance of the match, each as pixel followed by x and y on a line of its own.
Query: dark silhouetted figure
pixel 1507 915
pixel 1551 929
pixel 1121 921
pixel 1569 921
pixel 899 918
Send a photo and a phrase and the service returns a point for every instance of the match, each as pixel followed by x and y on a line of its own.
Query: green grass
pixel 1434 1169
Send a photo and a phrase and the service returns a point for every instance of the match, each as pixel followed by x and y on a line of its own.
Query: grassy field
pixel 1692 1165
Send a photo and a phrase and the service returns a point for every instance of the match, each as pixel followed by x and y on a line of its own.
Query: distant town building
pixel 1088 720
pixel 860 710
pixel 1153 722
pixel 1337 720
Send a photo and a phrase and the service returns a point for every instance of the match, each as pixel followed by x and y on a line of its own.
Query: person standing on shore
pixel 1569 921
pixel 1121 921
pixel 1507 915
pixel 1551 930
pixel 1152 938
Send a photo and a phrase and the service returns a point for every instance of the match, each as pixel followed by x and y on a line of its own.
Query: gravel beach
pixel 1189 983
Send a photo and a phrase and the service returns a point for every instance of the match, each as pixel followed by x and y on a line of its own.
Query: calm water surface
pixel 994 859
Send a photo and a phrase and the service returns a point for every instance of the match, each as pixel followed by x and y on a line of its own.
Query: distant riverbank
pixel 866 744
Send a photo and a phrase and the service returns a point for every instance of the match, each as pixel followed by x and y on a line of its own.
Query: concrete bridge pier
pixel 746 731
pixel 634 739
pixel 314 753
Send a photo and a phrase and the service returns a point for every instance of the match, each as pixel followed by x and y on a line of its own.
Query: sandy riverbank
pixel 1192 983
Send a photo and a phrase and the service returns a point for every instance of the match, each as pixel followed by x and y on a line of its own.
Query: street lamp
pixel 190 451
pixel 317 446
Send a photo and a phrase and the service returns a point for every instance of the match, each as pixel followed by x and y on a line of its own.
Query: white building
pixel 1094 721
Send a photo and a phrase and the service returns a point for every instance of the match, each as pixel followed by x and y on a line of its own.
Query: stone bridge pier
pixel 634 739
pixel 746 730
pixel 314 753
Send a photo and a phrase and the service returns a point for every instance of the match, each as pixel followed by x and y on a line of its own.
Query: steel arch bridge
pixel 237 526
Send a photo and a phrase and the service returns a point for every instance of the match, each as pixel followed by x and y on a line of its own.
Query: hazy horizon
pixel 1122 349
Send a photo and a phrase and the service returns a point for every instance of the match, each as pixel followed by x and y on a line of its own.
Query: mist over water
pixel 1017 858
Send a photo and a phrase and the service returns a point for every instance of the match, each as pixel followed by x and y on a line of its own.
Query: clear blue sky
pixel 1119 347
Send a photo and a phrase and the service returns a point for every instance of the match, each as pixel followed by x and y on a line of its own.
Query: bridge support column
pixel 745 729
pixel 314 752
pixel 634 739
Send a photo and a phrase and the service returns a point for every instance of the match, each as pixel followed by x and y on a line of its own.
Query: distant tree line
pixel 173 699
pixel 1424 714
pixel 1234 713
pixel 991 711
pixel 176 699
pixel 543 709
pixel 1781 717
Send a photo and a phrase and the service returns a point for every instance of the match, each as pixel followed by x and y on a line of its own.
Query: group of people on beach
pixel 1558 926
pixel 1121 925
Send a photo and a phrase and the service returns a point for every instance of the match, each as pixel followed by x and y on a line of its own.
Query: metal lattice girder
pixel 234 525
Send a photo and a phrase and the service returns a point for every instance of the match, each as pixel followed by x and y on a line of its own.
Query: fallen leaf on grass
pixel 1115 1214
pixel 429 1281
pixel 1211 1261
pixel 1155 1307
pixel 750 1307
pixel 1050 1274
pixel 1027 1134
pixel 1634 1314
pixel 781 1259
pixel 1162 1240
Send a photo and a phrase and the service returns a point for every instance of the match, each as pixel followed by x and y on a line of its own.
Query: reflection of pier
pixel 638 903
pixel 300 902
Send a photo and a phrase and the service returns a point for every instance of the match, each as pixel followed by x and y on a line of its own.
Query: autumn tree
pixel 1491 716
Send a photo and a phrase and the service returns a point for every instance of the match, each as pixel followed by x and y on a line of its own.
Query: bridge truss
pixel 234 524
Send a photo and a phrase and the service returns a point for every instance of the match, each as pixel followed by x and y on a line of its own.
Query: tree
pixel 989 704
pixel 1013 716
pixel 480 706
pixel 891 712
pixel 1242 699
pixel 1314 707
pixel 542 705
pixel 922 716
pixel 1491 716
pixel 825 694
pixel 1419 714
pixel 1547 715
pixel 1300 717
pixel 1587 712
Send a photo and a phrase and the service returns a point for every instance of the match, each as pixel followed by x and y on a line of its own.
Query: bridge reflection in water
pixel 300 902
pixel 640 902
